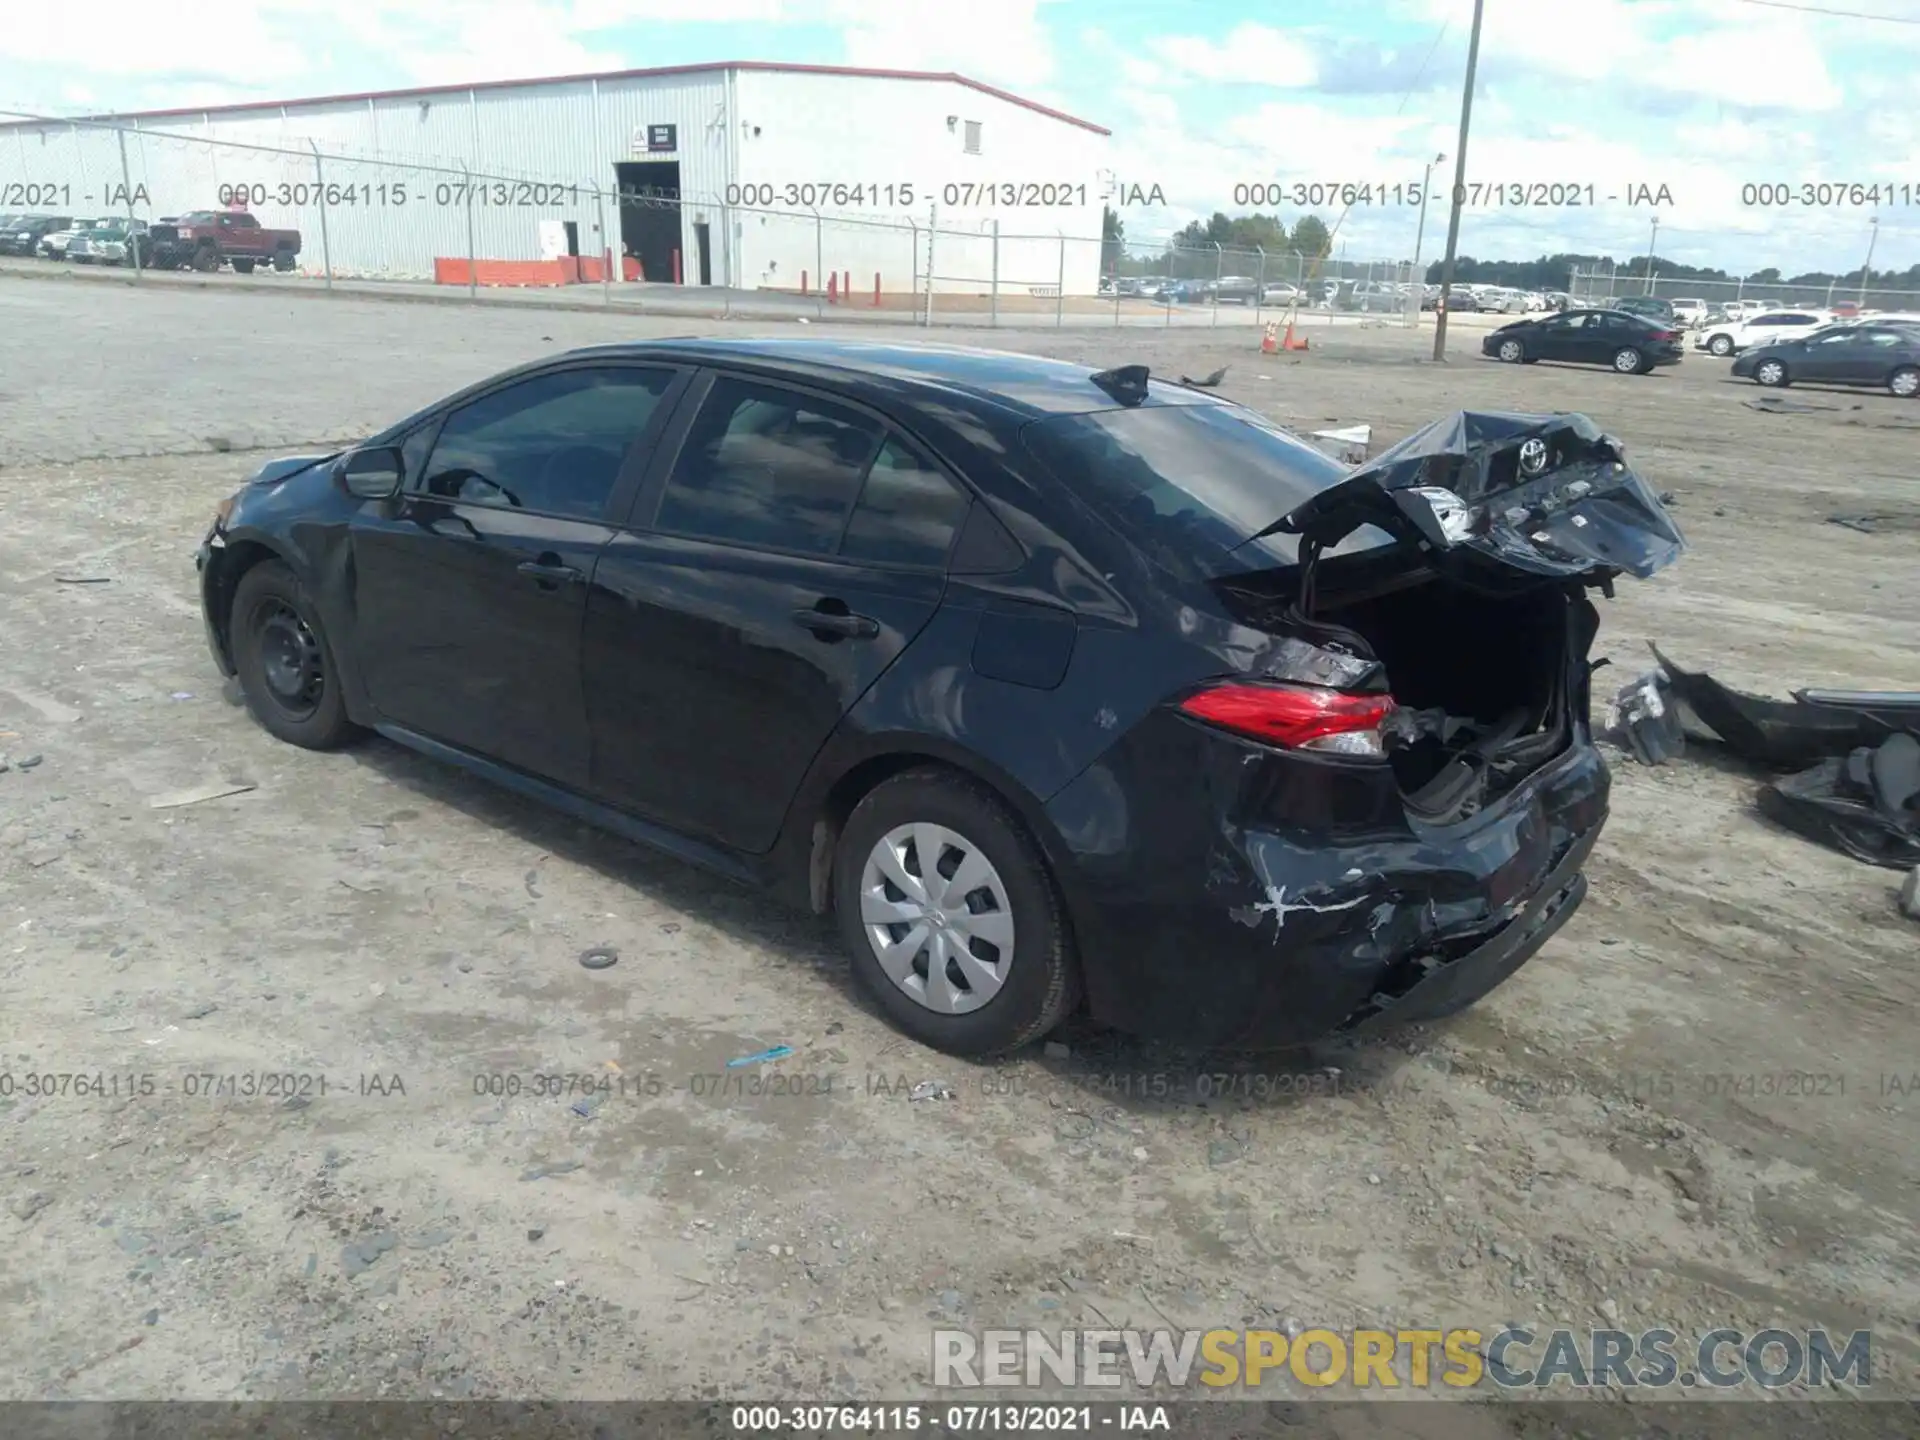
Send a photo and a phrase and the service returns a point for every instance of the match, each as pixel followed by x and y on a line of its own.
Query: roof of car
pixel 1028 384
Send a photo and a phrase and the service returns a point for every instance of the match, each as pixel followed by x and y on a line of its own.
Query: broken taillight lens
pixel 1299 717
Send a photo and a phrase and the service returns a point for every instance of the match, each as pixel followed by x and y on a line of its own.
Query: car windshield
pixel 1188 484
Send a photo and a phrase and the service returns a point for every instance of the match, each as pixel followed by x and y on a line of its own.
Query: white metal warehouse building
pixel 743 174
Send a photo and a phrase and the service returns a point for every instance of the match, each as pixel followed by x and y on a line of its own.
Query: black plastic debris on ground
pixel 1856 753
pixel 1867 805
pixel 1788 734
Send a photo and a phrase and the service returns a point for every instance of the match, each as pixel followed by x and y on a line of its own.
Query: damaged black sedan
pixel 1053 686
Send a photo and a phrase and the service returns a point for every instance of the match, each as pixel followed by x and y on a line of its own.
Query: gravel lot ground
pixel 1613 1134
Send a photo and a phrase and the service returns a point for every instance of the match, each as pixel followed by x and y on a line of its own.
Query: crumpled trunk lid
pixel 1502 499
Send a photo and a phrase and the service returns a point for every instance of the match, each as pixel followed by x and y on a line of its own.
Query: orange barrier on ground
pixel 568 270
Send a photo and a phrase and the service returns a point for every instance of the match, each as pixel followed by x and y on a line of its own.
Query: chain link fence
pixel 1605 284
pixel 290 213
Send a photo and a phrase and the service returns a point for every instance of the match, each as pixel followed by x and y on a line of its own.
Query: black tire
pixel 283 261
pixel 206 259
pixel 273 619
pixel 1629 361
pixel 1904 383
pixel 243 267
pixel 1042 981
pixel 1514 352
pixel 1720 345
pixel 1772 374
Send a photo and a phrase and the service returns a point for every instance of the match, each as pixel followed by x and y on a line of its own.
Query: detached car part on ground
pixel 1047 683
pixel 1861 792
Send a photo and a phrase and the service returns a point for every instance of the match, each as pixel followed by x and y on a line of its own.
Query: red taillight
pixel 1300 717
pixel 1666 334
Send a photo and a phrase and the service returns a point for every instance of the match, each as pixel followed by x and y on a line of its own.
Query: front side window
pixel 552 444
pixel 768 467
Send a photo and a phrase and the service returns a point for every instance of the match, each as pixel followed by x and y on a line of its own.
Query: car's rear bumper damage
pixel 1198 926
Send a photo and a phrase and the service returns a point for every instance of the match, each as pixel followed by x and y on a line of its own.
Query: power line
pixel 1832 14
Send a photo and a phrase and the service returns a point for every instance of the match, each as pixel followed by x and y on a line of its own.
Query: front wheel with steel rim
pixel 281 654
pixel 1627 360
pixel 950 915
pixel 1512 351
pixel 1721 345
pixel 1770 373
pixel 1904 382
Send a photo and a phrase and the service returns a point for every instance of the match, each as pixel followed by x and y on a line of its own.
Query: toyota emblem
pixel 1533 457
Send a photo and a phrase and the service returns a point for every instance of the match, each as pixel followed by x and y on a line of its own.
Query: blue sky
pixel 1699 96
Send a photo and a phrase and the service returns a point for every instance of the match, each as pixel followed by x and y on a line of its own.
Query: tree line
pixel 1189 253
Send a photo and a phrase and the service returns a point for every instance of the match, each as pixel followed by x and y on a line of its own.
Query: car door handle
pixel 828 625
pixel 550 574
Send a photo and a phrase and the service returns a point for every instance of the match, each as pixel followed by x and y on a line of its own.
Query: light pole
pixel 1873 234
pixel 1426 183
pixel 1652 241
pixel 1459 186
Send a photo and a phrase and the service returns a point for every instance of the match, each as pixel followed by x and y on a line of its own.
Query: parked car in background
pixel 81 249
pixel 117 244
pixel 207 239
pixel 1881 356
pixel 1461 300
pixel 1238 290
pixel 1650 307
pixel 22 234
pixel 1631 344
pixel 1731 339
pixel 1278 292
pixel 1689 310
pixel 53 245
pixel 855 577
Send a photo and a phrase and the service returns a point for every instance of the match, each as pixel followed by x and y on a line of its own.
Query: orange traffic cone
pixel 1269 341
pixel 1289 342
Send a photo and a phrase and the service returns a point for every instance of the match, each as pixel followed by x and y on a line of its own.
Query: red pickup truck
pixel 205 239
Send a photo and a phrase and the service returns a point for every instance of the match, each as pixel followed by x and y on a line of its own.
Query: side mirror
pixel 373 474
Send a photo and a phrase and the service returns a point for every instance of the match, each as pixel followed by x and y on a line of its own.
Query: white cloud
pixel 1250 54
pixel 999 41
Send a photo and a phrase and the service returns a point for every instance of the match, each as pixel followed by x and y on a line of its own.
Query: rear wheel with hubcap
pixel 1904 382
pixel 1628 361
pixel 951 917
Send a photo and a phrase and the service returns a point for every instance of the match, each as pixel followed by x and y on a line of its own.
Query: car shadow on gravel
pixel 1110 1068
pixel 741 912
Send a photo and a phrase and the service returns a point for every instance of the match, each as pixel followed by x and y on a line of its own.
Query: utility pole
pixel 1419 276
pixel 1459 186
pixel 1646 287
pixel 1873 234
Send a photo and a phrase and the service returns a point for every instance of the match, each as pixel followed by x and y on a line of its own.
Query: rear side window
pixel 907 513
pixel 1190 485
pixel 768 467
